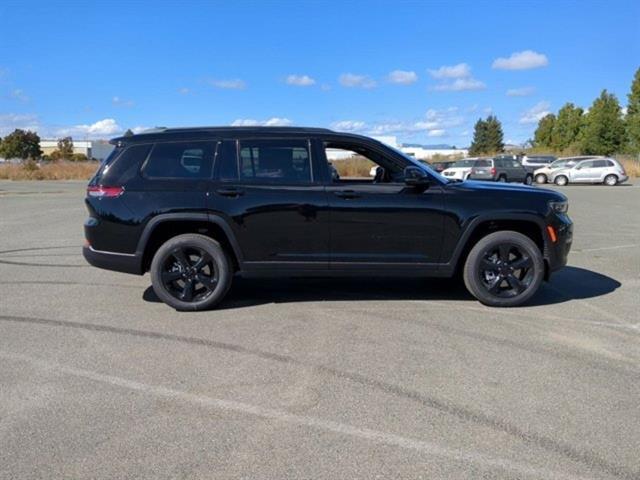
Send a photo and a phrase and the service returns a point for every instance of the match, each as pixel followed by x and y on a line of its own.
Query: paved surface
pixel 318 378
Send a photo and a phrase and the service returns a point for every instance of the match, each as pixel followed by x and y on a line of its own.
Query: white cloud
pixel 25 121
pixel 101 128
pixel 348 126
pixel 353 80
pixel 184 91
pixel 402 77
pixel 524 60
pixel 535 113
pixel 434 124
pixel 521 92
pixel 460 85
pixel 18 94
pixel 233 84
pixel 300 80
pixel 271 122
pixel 460 70
pixel 121 102
pixel 438 132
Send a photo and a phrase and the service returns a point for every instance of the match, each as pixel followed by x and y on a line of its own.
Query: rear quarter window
pixel 122 166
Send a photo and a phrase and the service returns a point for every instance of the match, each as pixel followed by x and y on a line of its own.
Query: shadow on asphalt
pixel 570 283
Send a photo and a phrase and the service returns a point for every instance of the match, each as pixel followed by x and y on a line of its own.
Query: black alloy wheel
pixel 504 269
pixel 191 272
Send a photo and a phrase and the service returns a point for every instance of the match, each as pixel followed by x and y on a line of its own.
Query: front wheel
pixel 504 269
pixel 561 180
pixel 191 272
pixel 611 180
pixel 528 180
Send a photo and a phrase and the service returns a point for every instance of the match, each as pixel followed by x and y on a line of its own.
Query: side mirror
pixel 416 177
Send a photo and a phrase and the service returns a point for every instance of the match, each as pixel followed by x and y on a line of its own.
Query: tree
pixel 604 131
pixel 543 136
pixel 495 136
pixel 567 129
pixel 65 147
pixel 21 144
pixel 478 145
pixel 128 133
pixel 632 119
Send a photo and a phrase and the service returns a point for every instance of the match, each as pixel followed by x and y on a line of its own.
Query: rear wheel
pixel 611 180
pixel 541 178
pixel 561 180
pixel 504 269
pixel 191 272
pixel 502 178
pixel 528 180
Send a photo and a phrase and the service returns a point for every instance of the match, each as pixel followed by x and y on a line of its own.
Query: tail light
pixel 100 191
pixel 493 170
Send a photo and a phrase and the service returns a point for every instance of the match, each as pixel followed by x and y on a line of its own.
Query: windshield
pixel 559 163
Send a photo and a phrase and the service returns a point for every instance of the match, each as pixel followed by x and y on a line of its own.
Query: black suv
pixel 197 206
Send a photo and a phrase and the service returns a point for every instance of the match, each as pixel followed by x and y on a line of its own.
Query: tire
pixel 502 179
pixel 611 180
pixel 504 269
pixel 528 180
pixel 561 180
pixel 191 272
pixel 541 178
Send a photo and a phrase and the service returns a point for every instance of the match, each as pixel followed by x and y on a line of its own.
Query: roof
pixel 197 132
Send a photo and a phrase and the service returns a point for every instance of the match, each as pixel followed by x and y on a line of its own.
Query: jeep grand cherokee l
pixel 196 207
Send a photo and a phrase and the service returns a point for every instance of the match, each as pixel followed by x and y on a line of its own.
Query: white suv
pixel 542 175
pixel 599 170
pixel 460 169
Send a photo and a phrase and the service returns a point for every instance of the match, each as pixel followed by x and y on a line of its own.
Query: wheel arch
pixel 529 225
pixel 165 226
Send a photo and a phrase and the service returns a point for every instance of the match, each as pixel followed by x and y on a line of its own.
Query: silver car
pixel 598 170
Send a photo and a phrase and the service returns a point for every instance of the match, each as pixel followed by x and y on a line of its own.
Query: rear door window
pixel 182 160
pixel 275 161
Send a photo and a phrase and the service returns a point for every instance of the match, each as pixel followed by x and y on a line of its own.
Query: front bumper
pixel 119 262
pixel 557 253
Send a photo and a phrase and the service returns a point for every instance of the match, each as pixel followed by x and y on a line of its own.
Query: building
pixel 98 149
pixel 426 152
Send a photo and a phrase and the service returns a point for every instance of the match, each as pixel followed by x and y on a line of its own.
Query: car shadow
pixel 570 283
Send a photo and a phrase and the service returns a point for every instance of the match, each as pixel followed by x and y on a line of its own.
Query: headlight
pixel 559 207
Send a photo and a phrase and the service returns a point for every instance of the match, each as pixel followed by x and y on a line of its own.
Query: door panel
pixel 268 193
pixel 389 223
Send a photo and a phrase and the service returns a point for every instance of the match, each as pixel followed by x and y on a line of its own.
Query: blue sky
pixel 423 71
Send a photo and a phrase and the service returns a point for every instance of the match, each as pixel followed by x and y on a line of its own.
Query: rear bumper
pixel 119 262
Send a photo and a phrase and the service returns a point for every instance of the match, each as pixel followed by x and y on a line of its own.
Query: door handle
pixel 346 194
pixel 230 192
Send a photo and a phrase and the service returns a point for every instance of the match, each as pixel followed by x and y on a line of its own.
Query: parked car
pixel 440 166
pixel 600 170
pixel 531 162
pixel 501 169
pixel 542 175
pixel 460 169
pixel 263 202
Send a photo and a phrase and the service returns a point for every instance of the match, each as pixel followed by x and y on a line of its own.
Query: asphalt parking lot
pixel 315 378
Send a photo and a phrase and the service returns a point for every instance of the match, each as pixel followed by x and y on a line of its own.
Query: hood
pixel 507 189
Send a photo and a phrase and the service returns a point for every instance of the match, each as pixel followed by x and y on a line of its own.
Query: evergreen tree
pixel 604 131
pixel 495 136
pixel 567 128
pixel 128 133
pixel 478 146
pixel 632 119
pixel 543 136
